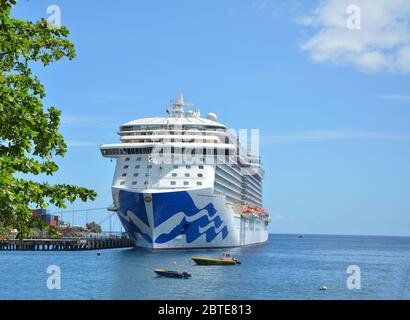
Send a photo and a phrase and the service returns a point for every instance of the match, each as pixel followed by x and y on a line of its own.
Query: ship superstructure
pixel 184 181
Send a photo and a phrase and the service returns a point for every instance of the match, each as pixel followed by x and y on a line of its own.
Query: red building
pixel 44 216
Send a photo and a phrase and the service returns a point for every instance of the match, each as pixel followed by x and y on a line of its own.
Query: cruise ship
pixel 187 182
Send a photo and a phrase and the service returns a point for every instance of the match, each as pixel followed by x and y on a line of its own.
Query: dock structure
pixel 65 244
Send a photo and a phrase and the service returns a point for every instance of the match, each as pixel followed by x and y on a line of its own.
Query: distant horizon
pixel 343 235
pixel 315 234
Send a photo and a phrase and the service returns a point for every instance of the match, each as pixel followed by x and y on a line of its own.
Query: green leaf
pixel 29 136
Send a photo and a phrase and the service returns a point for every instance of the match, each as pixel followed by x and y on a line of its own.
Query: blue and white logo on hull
pixel 133 215
pixel 193 221
pixel 174 214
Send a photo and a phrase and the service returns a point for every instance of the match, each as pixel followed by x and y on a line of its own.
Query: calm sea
pixel 285 268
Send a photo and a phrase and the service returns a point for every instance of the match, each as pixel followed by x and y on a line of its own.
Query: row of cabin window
pixel 171 127
pixel 182 139
pixel 175 159
pixel 138 166
pixel 138 159
pixel 175 166
pixel 173 183
pixel 187 175
pixel 186 183
pixel 172 150
pixel 117 151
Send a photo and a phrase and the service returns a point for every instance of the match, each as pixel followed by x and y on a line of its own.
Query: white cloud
pixel 275 8
pixel 382 44
pixel 86 121
pixel 276 216
pixel 72 143
pixel 330 135
pixel 281 218
pixel 261 5
pixel 400 97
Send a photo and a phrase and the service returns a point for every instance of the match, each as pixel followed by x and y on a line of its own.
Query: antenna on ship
pixel 177 107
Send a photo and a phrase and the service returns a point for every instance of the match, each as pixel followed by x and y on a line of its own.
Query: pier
pixel 69 244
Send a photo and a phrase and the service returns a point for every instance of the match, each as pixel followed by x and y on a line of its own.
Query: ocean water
pixel 284 268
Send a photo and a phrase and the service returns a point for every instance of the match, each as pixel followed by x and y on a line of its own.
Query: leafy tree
pixel 4 232
pixel 29 137
pixel 94 227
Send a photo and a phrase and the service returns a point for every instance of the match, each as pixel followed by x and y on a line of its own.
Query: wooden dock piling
pixel 64 244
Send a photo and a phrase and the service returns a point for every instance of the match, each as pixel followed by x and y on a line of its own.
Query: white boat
pixel 184 182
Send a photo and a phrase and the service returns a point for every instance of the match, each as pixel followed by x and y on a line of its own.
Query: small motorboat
pixel 225 260
pixel 171 273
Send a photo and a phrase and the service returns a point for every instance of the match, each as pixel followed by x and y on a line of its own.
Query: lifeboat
pixel 255 210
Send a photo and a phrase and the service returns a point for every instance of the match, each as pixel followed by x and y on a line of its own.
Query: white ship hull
pixel 190 219
pixel 186 182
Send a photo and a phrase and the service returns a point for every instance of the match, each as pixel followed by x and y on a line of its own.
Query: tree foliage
pixel 29 136
pixel 94 227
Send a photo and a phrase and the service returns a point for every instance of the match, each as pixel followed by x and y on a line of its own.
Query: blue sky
pixel 332 105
